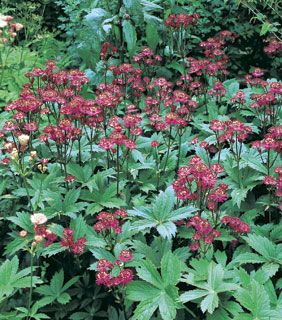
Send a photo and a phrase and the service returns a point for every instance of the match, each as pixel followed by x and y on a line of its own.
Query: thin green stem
pixel 117 166
pixel 168 149
pixel 31 285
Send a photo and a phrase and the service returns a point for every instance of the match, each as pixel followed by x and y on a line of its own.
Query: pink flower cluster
pixel 183 20
pixel 272 140
pixel 108 50
pixel 104 268
pixel 214 47
pixel 52 94
pixel 60 134
pixel 197 181
pixel 203 232
pixel 130 124
pixel 239 98
pixel 230 130
pixel 178 103
pixel 129 79
pixel 43 231
pixel 268 103
pixel 8 28
pixel 236 224
pixel 110 221
pixel 217 90
pixel 76 247
pixel 274 182
pixel 147 57
pixel 274 47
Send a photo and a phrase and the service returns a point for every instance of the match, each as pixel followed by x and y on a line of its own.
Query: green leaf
pixel 12 279
pixel 53 249
pixel 79 226
pixel 148 272
pixel 171 268
pixel 256 300
pixel 145 309
pixel 64 298
pixel 57 282
pixel 82 174
pixel 167 307
pixel 265 28
pixel 252 159
pixel 129 36
pixel 210 303
pixel 141 291
pixel 263 246
pixel 167 229
pixel 248 257
pixel 152 36
pixel 163 204
pixel 22 220
pixel 192 295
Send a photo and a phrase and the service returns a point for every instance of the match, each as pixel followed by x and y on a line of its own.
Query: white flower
pixel 38 218
pixel 23 139
pixel 3 23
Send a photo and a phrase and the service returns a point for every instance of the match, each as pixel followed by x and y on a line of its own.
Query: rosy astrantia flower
pixel 38 218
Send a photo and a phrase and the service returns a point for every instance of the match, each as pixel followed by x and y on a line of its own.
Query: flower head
pixel 38 218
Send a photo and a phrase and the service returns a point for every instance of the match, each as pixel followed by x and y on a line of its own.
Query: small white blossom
pixel 38 218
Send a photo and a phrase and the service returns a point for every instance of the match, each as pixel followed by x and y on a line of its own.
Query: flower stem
pixel 168 149
pixel 31 285
pixel 117 165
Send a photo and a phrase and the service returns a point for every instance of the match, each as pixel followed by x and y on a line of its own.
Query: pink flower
pixel 125 256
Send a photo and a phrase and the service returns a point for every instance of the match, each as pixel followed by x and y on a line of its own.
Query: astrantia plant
pixel 149 195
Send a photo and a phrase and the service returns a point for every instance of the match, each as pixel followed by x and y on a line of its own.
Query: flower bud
pixel 18 26
pixel 33 155
pixel 38 239
pixel 42 168
pixel 8 146
pixel 23 233
pixel 14 154
pixel 33 244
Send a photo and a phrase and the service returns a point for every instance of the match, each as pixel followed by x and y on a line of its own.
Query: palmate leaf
pixel 255 299
pixel 66 204
pixel 240 183
pixel 22 219
pixel 145 309
pixel 12 279
pixel 105 196
pixel 79 226
pixel 267 252
pixel 158 290
pixel 252 158
pixel 141 291
pixel 57 289
pixel 263 246
pixel 161 214
pixel 209 290
pixel 82 174
pixel 148 272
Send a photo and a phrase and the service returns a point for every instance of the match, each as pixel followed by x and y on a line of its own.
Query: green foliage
pixel 12 279
pixel 157 290
pixel 216 282
pixel 161 214
pixel 56 291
